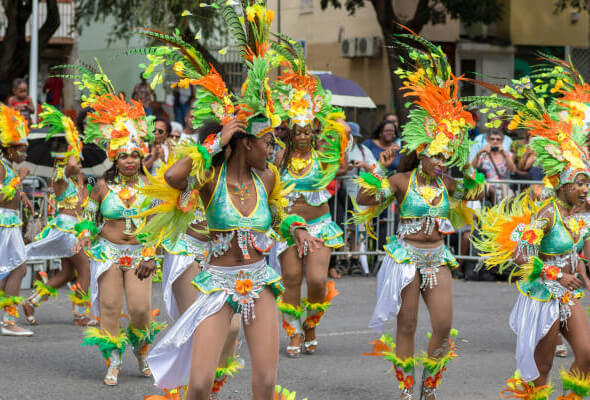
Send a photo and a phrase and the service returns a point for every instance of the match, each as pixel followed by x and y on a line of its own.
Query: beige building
pixel 352 46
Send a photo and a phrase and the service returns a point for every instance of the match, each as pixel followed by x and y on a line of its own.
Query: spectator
pixel 481 141
pixel 20 98
pixel 160 148
pixel 53 89
pixel 158 111
pixel 144 94
pixel 176 131
pixel 189 133
pixel 496 163
pixel 392 117
pixel 384 137
pixel 360 157
pixel 183 98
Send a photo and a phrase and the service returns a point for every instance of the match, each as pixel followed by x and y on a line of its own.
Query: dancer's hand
pixel 231 128
pixel 387 157
pixel 570 282
pixel 82 244
pixel 305 242
pixel 145 269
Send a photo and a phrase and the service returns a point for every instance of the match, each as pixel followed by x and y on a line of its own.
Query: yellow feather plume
pixel 13 126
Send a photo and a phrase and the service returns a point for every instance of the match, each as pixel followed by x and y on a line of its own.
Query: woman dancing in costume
pixel 58 238
pixel 417 261
pixel 543 238
pixel 14 130
pixel 301 102
pixel 120 264
pixel 243 199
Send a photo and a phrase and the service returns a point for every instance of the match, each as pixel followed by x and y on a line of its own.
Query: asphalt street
pixel 52 365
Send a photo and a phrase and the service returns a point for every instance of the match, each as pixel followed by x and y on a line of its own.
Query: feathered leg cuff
pixel 105 341
pixel 517 388
pixel 291 317
pixel 234 364
pixel 315 311
pixel 577 383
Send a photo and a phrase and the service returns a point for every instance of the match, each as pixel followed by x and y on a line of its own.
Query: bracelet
pixel 296 225
pixel 84 234
pixel 213 143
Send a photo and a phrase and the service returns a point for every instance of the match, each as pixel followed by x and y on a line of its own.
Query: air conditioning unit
pixel 348 48
pixel 368 46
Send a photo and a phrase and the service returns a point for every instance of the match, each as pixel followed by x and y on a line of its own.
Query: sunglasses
pixel 160 131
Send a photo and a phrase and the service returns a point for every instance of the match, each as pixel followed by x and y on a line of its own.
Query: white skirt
pixel 391 280
pixel 57 244
pixel 531 320
pixel 12 250
pixel 173 266
pixel 170 359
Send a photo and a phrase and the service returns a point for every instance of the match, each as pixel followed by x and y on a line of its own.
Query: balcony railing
pixel 64 34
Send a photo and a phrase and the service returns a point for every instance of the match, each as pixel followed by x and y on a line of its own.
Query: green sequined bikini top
pixel 558 240
pixel 10 172
pixel 70 198
pixel 113 208
pixel 307 181
pixel 414 206
pixel 222 215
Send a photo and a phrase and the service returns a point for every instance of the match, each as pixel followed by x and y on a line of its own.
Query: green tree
pixel 14 47
pixel 165 15
pixel 427 11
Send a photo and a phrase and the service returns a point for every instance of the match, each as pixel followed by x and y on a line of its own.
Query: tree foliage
pixel 165 15
pixel 14 47
pixel 577 5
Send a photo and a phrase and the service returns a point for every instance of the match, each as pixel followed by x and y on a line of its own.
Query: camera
pixel 495 148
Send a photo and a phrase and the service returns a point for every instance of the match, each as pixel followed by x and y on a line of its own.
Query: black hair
pixel 81 119
pixel 17 82
pixel 408 162
pixel 166 122
pixel 379 128
pixel 389 114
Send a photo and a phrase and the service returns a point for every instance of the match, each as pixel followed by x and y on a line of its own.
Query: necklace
pixel 242 191
pixel 427 178
pixel 429 193
pixel 126 193
pixel 299 164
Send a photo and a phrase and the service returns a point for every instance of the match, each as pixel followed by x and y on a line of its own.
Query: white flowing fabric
pixel 170 359
pixel 273 256
pixel 391 280
pixel 173 266
pixel 531 320
pixel 12 250
pixel 57 244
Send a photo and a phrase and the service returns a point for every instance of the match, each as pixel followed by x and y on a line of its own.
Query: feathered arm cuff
pixel 374 185
pixel 472 186
pixel 86 229
pixel 536 268
pixel 201 155
pixel 289 225
pixel 8 191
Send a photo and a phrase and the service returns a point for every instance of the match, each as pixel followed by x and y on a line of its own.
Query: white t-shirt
pixel 358 152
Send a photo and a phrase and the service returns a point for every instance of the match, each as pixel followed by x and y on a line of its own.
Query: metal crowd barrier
pixel 39 193
pixel 386 224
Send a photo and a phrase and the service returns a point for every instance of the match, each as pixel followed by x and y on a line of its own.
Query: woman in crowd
pixel 14 130
pixel 417 261
pixel 160 148
pixel 544 239
pixel 384 138
pixel 243 200
pixel 120 264
pixel 308 167
pixel 496 163
pixel 58 238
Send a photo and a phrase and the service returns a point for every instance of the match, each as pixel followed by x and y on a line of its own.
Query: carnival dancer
pixel 58 237
pixel 120 264
pixel 544 238
pixel 417 262
pixel 302 102
pixel 243 200
pixel 14 130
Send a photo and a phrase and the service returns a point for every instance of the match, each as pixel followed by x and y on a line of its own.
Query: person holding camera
pixel 496 163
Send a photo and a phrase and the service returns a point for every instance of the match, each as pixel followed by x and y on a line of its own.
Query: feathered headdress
pixel 558 136
pixel 118 126
pixel 213 100
pixel 57 123
pixel 440 123
pixel 14 127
